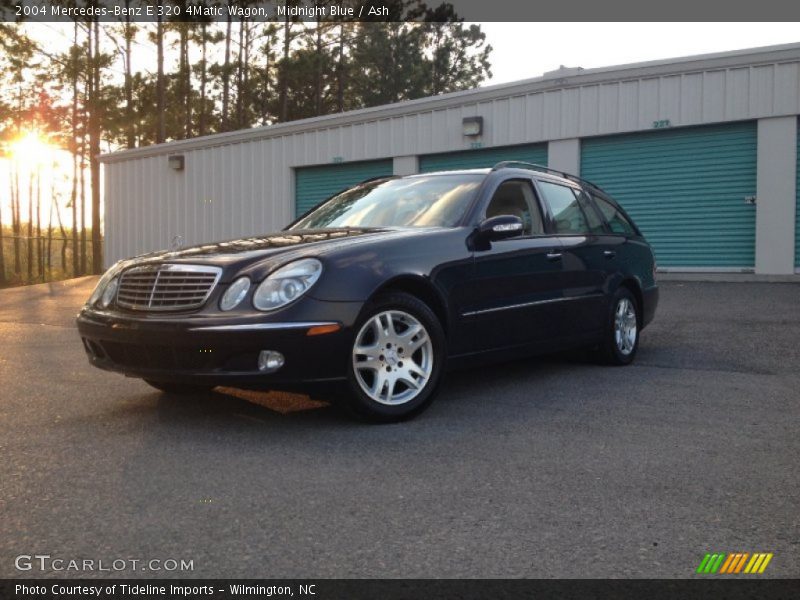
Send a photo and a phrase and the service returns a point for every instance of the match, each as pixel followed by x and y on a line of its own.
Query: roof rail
pixel 510 164
pixel 376 179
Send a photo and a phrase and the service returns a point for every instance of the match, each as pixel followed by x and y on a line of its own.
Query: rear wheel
pixel 180 389
pixel 621 339
pixel 397 359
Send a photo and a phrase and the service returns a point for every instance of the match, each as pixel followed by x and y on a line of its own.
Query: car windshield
pixel 428 201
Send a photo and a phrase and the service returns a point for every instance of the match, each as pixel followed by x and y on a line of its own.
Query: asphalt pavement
pixel 552 467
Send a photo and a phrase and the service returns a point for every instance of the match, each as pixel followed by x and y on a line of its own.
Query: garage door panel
pixel 315 184
pixel 484 157
pixel 685 188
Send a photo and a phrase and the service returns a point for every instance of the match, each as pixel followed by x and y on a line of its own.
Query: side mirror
pixel 500 227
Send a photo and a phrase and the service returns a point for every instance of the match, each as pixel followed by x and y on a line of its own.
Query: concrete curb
pixel 728 277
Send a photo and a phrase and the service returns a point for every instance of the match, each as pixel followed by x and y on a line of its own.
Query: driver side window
pixel 516 198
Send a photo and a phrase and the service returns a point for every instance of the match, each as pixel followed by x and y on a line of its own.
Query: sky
pixel 525 50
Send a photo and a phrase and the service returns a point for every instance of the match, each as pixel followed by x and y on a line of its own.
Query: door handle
pixel 609 253
pixel 554 256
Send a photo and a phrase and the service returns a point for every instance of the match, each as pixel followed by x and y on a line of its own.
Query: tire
pixel 180 389
pixel 393 373
pixel 621 338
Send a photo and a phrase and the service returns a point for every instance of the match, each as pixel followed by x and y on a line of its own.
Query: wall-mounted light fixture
pixel 176 162
pixel 472 126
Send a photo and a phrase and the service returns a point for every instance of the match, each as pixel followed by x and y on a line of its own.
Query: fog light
pixel 269 360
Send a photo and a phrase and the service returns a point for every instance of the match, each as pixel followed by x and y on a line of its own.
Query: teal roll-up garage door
pixel 484 157
pixel 315 184
pixel 686 190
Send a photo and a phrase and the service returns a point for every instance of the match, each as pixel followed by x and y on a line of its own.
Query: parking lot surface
pixel 552 467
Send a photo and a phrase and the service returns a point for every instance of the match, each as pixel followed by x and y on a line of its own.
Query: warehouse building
pixel 702 151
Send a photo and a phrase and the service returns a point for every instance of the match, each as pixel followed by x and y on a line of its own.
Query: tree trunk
pixel 181 89
pixel 318 71
pixel 240 77
pixel 94 152
pixel 161 133
pixel 264 107
pixel 246 94
pixel 265 95
pixel 30 227
pixel 187 80
pixel 203 81
pixel 15 223
pixel 226 75
pixel 83 207
pixel 130 129
pixel 86 118
pixel 283 70
pixel 49 255
pixel 340 72
pixel 2 250
pixel 63 239
pixel 74 191
pixel 39 240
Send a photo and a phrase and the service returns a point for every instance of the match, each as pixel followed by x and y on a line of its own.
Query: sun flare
pixel 31 148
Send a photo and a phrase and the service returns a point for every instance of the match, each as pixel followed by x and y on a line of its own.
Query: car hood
pixel 235 255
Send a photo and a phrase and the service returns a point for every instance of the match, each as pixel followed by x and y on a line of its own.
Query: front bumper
pixel 215 350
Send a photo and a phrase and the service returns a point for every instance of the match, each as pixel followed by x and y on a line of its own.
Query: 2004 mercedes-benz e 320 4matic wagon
pixel 375 292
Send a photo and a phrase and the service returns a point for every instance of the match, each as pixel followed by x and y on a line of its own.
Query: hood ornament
pixel 176 243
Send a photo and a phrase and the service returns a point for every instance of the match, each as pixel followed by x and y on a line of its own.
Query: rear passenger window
pixel 596 224
pixel 616 220
pixel 566 211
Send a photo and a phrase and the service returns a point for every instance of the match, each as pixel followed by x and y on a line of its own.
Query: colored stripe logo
pixel 734 563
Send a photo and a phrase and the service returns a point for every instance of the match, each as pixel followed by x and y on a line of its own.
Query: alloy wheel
pixel 393 357
pixel 625 326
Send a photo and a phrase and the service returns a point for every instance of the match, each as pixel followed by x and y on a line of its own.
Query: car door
pixel 620 256
pixel 584 262
pixel 515 291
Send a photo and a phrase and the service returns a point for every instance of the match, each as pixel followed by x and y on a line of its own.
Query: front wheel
pixel 621 339
pixel 397 359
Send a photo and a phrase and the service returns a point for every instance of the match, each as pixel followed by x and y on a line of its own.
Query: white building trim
pixel 776 195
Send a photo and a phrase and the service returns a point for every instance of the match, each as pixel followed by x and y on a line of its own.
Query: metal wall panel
pixel 486 157
pixel 315 184
pixel 686 190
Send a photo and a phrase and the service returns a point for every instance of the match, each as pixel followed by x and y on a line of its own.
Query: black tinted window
pixel 592 217
pixel 566 211
pixel 616 220
pixel 516 198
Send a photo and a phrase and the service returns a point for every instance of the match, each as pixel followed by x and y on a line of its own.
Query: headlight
pixel 235 294
pixel 109 293
pixel 287 284
pixel 104 281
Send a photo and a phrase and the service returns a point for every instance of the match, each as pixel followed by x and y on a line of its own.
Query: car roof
pixel 511 170
pixel 485 171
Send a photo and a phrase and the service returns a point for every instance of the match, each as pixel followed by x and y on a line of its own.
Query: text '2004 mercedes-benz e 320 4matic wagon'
pixel 373 294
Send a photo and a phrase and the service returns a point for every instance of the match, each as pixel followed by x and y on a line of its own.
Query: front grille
pixel 166 287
